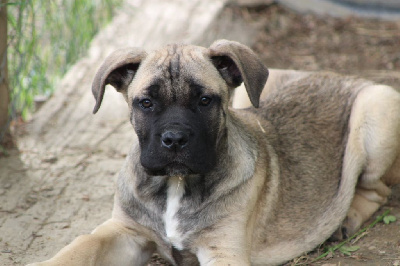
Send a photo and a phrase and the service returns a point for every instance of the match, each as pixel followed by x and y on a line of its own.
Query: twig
pixel 334 248
pixel 359 237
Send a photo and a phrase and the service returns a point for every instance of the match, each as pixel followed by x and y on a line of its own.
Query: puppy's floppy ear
pixel 118 69
pixel 236 63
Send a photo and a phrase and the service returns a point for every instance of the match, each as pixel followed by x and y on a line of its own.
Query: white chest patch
pixel 176 188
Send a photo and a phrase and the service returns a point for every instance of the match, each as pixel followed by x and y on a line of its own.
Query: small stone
pixel 50 160
pixel 6 251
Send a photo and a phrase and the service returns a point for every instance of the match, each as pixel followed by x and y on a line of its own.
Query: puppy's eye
pixel 146 104
pixel 204 101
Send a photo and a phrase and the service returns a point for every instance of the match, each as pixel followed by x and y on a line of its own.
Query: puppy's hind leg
pixel 375 131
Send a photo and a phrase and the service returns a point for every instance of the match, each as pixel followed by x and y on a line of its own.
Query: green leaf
pixel 11 19
pixel 346 250
pixel 389 219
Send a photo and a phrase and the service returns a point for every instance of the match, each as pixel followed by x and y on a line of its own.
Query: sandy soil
pixel 58 184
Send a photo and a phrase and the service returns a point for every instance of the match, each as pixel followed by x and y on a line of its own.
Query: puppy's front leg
pixel 224 247
pixel 109 244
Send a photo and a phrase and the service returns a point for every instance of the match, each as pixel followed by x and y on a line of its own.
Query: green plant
pixel 389 219
pixel 347 250
pixel 45 39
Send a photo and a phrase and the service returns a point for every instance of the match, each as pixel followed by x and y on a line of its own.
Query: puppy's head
pixel 178 97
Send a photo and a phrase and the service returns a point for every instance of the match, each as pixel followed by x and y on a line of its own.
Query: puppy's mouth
pixel 171 169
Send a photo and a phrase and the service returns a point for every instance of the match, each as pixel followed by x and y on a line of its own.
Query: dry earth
pixel 58 184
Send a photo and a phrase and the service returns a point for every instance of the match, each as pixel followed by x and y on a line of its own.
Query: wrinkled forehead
pixel 176 66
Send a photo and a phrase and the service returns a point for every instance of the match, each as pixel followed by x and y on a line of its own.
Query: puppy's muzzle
pixel 174 140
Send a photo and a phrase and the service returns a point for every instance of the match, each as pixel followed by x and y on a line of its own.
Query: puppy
pixel 262 183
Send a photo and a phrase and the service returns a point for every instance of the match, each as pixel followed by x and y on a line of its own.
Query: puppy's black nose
pixel 174 139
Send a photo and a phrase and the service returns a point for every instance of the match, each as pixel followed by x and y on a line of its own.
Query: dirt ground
pixel 48 198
